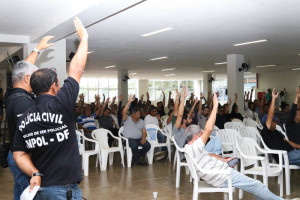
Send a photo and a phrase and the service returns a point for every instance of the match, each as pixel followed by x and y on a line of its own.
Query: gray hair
pixel 21 69
pixel 191 131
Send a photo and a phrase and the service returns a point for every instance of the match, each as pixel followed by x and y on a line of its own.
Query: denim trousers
pixel 294 157
pixel 134 145
pixel 59 192
pixel 255 187
pixel 20 178
pixel 214 146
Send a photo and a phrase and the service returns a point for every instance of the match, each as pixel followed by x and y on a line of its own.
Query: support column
pixel 54 56
pixel 207 86
pixel 235 79
pixel 123 85
pixel 143 87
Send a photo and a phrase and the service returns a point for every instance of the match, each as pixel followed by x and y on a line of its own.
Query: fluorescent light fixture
pixel 262 66
pixel 299 54
pixel 245 43
pixel 159 31
pixel 90 52
pixel 208 71
pixel 170 74
pixel 170 69
pixel 112 66
pixel 221 63
pixel 159 58
pixel 132 73
pixel 296 69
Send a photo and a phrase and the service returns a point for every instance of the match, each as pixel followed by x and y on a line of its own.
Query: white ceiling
pixel 204 33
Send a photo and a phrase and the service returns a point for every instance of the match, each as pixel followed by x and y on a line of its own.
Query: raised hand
pixel 97 98
pixel 274 94
pixel 298 91
pixel 81 97
pixel 147 95
pixel 80 29
pixel 177 92
pixel 107 100
pixel 196 100
pixel 170 93
pixel 215 100
pixel 184 92
pixel 120 97
pixel 130 98
pixel 44 43
pixel 114 98
pixel 229 101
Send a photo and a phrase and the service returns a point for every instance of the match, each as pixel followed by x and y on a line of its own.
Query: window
pixel 250 83
pixel 220 86
pixel 133 87
pixel 155 88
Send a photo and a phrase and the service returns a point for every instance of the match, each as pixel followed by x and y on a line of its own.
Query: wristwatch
pixel 37 174
pixel 36 51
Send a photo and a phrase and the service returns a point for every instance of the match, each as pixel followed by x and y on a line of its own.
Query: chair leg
pixel 195 190
pixel 287 181
pixel 111 158
pixel 281 183
pixel 86 165
pixel 225 196
pixel 150 156
pixel 97 160
pixel 178 175
pixel 122 157
pixel 104 157
pixel 129 157
pixel 169 152
pixel 175 159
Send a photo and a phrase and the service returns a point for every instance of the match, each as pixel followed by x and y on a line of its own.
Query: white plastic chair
pixel 251 132
pixel 126 147
pixel 234 125
pixel 168 130
pixel 287 166
pixel 236 120
pixel 179 164
pixel 152 139
pixel 202 186
pixel 248 149
pixel 101 135
pixel 87 153
pixel 278 128
pixel 228 138
pixel 250 122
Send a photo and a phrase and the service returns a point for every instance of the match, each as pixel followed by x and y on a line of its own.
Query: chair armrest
pixel 90 140
pixel 253 157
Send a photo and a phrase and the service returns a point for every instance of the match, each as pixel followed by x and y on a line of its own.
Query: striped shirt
pixel 205 161
pixel 87 122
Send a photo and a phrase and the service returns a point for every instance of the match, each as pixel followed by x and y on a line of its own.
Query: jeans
pixel 161 139
pixel 21 179
pixel 59 192
pixel 294 157
pixel 214 146
pixel 255 187
pixel 134 145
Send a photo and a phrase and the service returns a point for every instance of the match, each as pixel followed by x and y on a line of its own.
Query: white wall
pixel 279 80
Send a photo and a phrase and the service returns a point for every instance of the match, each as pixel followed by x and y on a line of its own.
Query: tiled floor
pixel 140 182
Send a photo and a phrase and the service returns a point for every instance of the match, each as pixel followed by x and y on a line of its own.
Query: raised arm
pixel 271 109
pixel 193 107
pixel 251 94
pixel 209 126
pixel 181 108
pixel 293 110
pixel 41 46
pixel 125 109
pixel 200 104
pixel 78 62
pixel 164 98
pixel 176 103
pixel 169 101
pixel 104 106
pixel 112 103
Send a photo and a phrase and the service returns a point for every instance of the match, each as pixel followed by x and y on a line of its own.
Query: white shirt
pixel 207 162
pixel 151 120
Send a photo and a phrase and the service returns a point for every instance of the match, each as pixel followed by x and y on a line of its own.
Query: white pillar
pixel 235 79
pixel 54 56
pixel 207 86
pixel 123 85
pixel 143 87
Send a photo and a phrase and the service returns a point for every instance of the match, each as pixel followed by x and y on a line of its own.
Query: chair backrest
pixel 168 127
pixel 152 132
pixel 192 167
pixel 101 135
pixel 236 120
pixel 250 132
pixel 228 136
pixel 278 128
pixel 250 122
pixel 80 141
pixel 120 133
pixel 234 125
pixel 247 147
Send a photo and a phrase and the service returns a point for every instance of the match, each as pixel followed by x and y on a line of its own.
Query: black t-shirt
pixel 293 128
pixel 221 120
pixel 274 140
pixel 47 132
pixel 17 101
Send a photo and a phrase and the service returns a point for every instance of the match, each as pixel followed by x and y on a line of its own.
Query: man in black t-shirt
pixel 274 139
pixel 46 131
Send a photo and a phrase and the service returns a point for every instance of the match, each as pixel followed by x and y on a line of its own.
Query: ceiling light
pixel 170 74
pixel 245 43
pixel 299 54
pixel 170 69
pixel 266 66
pixel 159 31
pixel 159 58
pixel 208 71
pixel 90 52
pixel 132 73
pixel 296 69
pixel 221 63
pixel 110 66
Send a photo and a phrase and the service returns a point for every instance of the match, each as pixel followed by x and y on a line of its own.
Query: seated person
pixel 235 110
pixel 222 118
pixel 275 140
pixel 293 122
pixel 87 121
pixel 202 115
pixel 107 122
pixel 154 118
pixel 183 119
pixel 135 131
pixel 283 115
pixel 197 139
